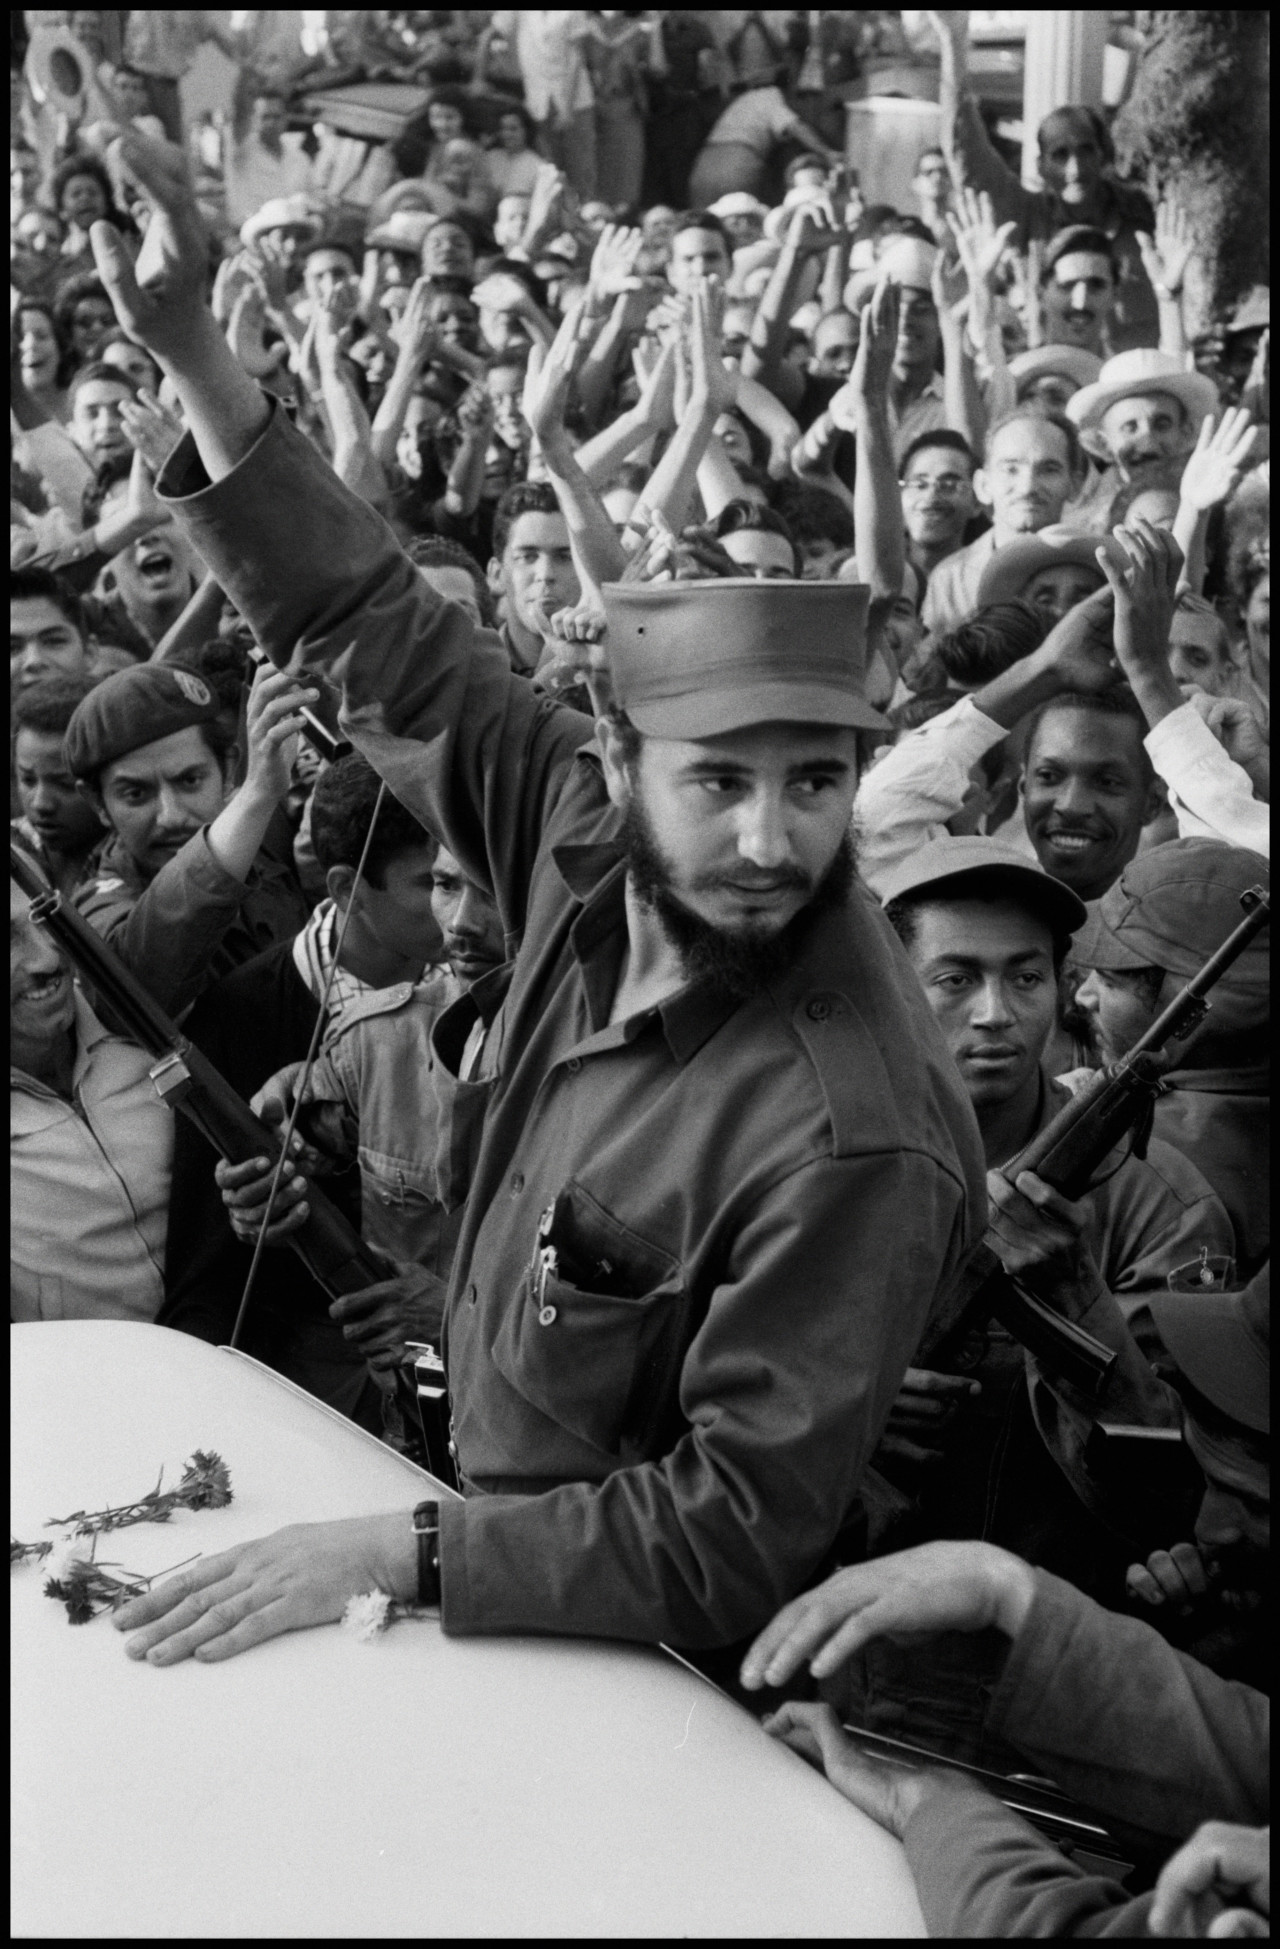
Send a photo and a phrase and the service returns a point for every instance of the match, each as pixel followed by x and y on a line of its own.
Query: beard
pixel 737 961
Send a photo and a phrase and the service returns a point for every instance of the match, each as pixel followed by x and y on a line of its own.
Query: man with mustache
pixel 1087 784
pixel 1139 420
pixel 683 1296
pixel 181 892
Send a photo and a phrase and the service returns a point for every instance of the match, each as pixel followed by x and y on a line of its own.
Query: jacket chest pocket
pixel 591 1337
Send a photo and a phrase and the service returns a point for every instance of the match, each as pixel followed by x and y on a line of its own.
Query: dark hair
pixel 66 356
pixel 939 436
pixel 225 664
pixel 341 808
pixel 29 584
pixel 339 244
pixel 525 497
pixel 116 336
pixel 1164 479
pixel 83 164
pixel 810 159
pixel 509 107
pixel 436 551
pixel 702 220
pixel 110 373
pixel 523 272
pixel 1031 409
pixel 85 284
pixel 908 226
pixel 991 642
pixel 990 884
pixel 1118 702
pixel 813 514
pixel 48 706
pixel 1076 237
pixel 1094 120
pixel 745 517
pixel 914 711
pixel 471 227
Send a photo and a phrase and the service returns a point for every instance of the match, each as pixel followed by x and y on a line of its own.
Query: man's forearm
pixel 595 543
pixel 763 357
pixel 877 508
pixel 224 410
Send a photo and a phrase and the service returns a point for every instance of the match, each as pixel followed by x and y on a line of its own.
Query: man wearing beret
pixel 181 892
pixel 725 1163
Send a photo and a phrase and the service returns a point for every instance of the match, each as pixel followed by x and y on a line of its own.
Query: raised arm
pixel 430 699
pixel 877 498
pixel 808 235
pixel 971 159
pixel 711 393
pixel 596 547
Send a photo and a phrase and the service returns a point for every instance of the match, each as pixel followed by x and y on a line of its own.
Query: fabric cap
pixel 951 858
pixel 1143 370
pixel 693 659
pixel 275 213
pixel 1222 1343
pixel 1173 907
pixel 908 260
pixel 738 203
pixel 1012 567
pixel 403 230
pixel 1068 361
pixel 135 707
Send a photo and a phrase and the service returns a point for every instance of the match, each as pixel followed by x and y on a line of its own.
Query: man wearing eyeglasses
pixel 938 500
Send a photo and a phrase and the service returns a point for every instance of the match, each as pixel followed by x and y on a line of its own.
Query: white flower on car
pixel 367 1616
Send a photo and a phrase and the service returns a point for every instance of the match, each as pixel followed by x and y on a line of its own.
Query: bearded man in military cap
pixel 724 1162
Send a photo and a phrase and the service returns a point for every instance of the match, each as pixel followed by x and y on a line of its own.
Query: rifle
pixel 184 1078
pixel 1119 1099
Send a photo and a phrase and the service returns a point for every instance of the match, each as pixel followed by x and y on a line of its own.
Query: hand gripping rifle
pixel 1117 1100
pixel 184 1078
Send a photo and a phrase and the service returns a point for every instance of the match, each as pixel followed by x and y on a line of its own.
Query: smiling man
pixel 676 1318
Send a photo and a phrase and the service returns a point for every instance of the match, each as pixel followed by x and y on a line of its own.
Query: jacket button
pixel 573 1065
pixel 472 1294
pixel 818 1010
pixel 517 1182
pixel 547 1316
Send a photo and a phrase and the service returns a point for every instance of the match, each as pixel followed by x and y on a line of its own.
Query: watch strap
pixel 426 1527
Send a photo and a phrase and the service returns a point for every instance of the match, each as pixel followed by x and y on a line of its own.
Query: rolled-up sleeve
pixel 1212 796
pixel 910 794
pixel 428 698
pixel 785 1390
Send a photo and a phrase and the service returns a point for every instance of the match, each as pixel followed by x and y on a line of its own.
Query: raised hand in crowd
pixel 154 431
pixel 1166 255
pixel 981 244
pixel 247 335
pixel 1219 460
pixel 1143 578
pixel 1236 727
pixel 613 263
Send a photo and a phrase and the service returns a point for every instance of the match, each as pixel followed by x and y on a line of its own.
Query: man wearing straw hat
pixel 724 1163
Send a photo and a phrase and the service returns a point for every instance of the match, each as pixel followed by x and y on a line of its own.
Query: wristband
pixel 426 1527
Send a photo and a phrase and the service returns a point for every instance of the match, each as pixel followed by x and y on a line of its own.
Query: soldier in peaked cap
pixel 724 1162
pixel 182 890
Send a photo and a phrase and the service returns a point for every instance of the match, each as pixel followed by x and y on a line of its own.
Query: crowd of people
pixel 664 722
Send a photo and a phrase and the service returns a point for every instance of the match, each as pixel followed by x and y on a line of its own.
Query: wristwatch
pixel 426 1527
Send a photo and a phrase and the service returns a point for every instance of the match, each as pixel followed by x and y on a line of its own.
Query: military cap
pixel 693 659
pixel 1222 1343
pixel 136 707
pixel 1172 907
pixel 955 859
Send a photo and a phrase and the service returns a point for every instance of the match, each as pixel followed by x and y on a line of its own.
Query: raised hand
pixel 413 331
pixel 951 285
pixel 1235 727
pixel 153 430
pixel 867 387
pixel 140 503
pixel 1166 255
pixel 160 300
pixel 813 229
pixel 613 261
pixel 1146 594
pixel 657 387
pixel 234 274
pixel 246 335
pixel 914 1593
pixel 548 382
pixel 273 723
pixel 474 412
pixel 711 387
pixel 1078 653
pixel 1219 459
pixel 979 239
pixel 267 259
